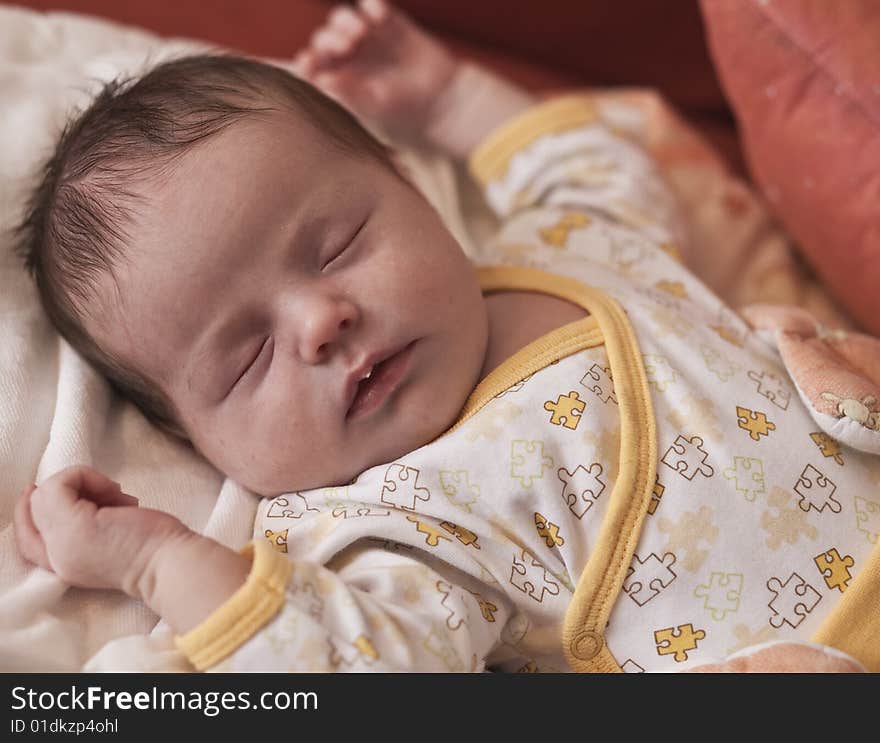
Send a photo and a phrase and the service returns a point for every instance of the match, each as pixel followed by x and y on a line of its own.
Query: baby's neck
pixel 517 318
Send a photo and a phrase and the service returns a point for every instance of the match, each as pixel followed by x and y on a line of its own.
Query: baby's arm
pixel 373 610
pixel 392 74
pixel 80 525
pixel 369 609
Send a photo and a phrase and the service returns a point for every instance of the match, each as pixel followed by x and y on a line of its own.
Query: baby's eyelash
pixel 347 244
pixel 252 362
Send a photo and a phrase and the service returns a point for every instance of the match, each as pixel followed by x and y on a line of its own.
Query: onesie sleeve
pixel 562 154
pixel 369 610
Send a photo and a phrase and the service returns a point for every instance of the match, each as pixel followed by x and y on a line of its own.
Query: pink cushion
pixel 803 77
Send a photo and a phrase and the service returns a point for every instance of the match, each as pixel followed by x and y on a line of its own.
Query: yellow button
pixel 586 644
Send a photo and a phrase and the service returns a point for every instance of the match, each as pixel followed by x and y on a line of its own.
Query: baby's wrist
pixel 472 105
pixel 190 577
pixel 143 583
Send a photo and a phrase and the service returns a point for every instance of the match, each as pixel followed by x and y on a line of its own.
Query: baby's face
pixel 265 275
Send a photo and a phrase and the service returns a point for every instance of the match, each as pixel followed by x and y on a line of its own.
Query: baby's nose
pixel 326 321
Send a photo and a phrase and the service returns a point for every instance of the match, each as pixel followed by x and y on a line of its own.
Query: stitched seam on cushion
pixel 823 70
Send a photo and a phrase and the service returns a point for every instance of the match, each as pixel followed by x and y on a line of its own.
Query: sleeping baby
pixel 565 454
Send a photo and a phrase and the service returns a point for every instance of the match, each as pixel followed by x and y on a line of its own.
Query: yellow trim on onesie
pixel 854 624
pixel 249 608
pixel 490 160
pixel 600 583
pixel 553 346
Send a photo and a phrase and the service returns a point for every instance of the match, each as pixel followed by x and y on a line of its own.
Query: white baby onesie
pixel 639 490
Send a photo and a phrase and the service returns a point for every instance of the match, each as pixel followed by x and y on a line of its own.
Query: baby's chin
pixel 340 478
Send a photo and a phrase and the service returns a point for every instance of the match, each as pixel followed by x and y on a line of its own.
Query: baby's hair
pixel 75 226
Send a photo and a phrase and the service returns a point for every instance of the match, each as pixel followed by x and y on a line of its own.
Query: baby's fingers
pixel 347 23
pixel 330 45
pixel 72 493
pixel 376 11
pixel 334 41
pixel 27 538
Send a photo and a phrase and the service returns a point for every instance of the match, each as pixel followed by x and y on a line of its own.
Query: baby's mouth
pixel 374 389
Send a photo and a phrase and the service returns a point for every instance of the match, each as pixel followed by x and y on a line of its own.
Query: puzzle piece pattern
pixel 566 410
pixel 646 578
pixel 630 666
pixel 678 641
pixel 401 488
pixel 698 414
pixel 788 524
pixel 626 253
pixel 530 577
pixel 792 600
pixel 346 654
pixel 433 535
pixel 755 422
pixel 278 539
pixel 314 603
pixel 463 535
pixel 548 531
pixel 557 234
pixel 527 461
pixel 581 488
pixel 816 491
pixel 347 509
pixel 747 475
pixel 599 381
pixel 675 288
pixel 835 569
pixel 687 534
pixel 289 507
pixel 454 620
pixel 771 387
pixel 670 321
pixel 458 487
pixel 487 608
pixel 492 421
pixel 728 334
pixel 659 372
pixel 829 447
pixel 868 518
pixel 722 595
pixel 439 644
pixel 717 363
pixel 688 458
pixel 659 298
pixel 656 495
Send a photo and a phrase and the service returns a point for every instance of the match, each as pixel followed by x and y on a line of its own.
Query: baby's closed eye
pixel 260 358
pixel 346 243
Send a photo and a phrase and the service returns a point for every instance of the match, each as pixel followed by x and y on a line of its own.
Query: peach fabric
pixel 785 657
pixel 804 79
pixel 837 373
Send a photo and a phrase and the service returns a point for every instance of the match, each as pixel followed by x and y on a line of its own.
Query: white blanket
pixel 54 409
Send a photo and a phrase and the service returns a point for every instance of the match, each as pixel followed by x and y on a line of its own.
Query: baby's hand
pixel 81 526
pixel 380 64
